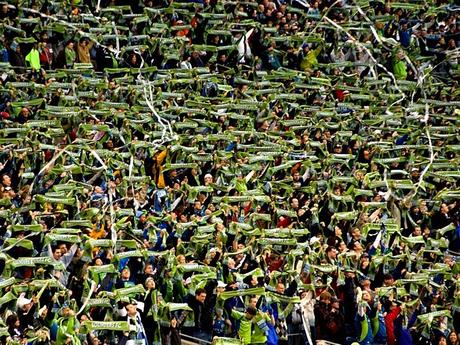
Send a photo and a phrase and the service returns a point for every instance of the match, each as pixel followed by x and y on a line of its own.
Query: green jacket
pixel 399 70
pixel 310 60
pixel 33 58
pixel 250 331
pixel 70 56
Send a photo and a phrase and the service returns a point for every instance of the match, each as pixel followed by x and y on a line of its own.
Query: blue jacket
pixel 360 323
pixel 402 334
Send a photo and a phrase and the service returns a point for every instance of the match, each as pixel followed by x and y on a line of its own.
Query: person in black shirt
pixel 202 315
pixel 16 59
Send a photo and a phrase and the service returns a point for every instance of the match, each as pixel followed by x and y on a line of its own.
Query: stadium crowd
pixel 240 172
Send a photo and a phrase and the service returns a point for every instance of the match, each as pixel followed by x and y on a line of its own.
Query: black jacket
pixel 202 314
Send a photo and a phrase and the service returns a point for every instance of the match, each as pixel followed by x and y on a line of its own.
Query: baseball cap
pixel 22 301
pixel 4 115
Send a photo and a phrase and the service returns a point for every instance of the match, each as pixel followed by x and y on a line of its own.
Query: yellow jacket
pixel 159 177
pixel 83 52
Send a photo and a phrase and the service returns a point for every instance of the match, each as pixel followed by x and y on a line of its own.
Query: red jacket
pixel 390 318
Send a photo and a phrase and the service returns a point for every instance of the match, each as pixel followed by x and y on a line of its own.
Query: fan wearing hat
pixel 16 58
pixel 136 334
pixel 26 310
pixel 125 279
pixel 150 317
pixel 336 322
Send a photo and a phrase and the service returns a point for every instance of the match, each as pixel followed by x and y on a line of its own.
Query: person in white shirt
pixel 61 254
pixel 185 64
pixel 136 334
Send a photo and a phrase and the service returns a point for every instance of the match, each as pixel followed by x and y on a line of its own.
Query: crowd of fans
pixel 267 172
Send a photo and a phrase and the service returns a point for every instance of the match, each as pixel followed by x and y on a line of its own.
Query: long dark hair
pixel 11 320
